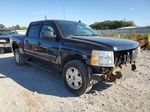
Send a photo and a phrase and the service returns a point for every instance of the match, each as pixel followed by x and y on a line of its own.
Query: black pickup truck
pixel 77 50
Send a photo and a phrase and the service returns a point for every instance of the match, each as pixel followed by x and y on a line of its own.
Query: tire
pixel 2 50
pixel 70 81
pixel 19 58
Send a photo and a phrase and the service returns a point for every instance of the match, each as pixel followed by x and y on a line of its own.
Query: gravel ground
pixel 29 89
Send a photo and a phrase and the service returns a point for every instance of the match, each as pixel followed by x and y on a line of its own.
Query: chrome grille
pixel 124 57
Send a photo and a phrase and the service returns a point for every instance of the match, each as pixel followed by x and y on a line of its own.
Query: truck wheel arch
pixel 14 46
pixel 68 58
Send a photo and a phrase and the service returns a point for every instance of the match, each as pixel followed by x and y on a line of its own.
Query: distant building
pixel 134 27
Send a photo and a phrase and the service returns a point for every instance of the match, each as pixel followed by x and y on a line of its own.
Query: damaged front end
pixel 126 57
pixel 122 59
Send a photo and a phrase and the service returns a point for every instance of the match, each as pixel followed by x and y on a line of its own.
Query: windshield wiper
pixel 94 35
pixel 87 35
pixel 70 36
pixel 81 35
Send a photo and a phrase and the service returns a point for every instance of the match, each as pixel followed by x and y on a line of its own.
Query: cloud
pixel 132 8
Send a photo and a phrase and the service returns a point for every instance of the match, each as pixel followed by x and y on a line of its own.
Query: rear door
pixel 31 40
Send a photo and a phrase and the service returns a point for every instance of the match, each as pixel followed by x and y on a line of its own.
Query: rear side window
pixel 34 31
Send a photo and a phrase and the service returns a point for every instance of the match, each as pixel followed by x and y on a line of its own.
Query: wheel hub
pixel 74 78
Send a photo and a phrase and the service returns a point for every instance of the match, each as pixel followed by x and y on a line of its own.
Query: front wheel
pixel 75 76
pixel 19 58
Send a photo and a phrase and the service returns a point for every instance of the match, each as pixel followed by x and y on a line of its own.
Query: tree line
pixel 111 24
pixel 16 27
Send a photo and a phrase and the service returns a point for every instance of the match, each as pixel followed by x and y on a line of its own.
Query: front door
pixel 48 48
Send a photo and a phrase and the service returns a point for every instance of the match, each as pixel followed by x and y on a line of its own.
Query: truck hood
pixel 5 36
pixel 116 44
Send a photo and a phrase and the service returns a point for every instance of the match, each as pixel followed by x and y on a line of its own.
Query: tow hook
pixel 114 74
pixel 133 67
pixel 113 77
pixel 107 77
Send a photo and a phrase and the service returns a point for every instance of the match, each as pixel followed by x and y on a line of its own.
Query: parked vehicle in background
pixel 5 35
pixel 75 50
pixel 21 32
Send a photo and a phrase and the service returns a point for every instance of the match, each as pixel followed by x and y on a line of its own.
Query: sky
pixel 23 12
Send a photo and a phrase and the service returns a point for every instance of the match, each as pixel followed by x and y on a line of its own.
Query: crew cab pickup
pixel 76 49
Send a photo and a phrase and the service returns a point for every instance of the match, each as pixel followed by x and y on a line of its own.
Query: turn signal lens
pixel 93 61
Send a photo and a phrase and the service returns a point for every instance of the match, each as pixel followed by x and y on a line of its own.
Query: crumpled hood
pixel 116 43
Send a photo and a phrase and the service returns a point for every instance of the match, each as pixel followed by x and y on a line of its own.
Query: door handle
pixel 39 43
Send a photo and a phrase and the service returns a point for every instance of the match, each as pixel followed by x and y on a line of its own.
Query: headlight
pixel 102 58
pixel 3 40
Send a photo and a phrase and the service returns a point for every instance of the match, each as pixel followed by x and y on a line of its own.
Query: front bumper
pixel 110 70
pixel 5 45
pixel 111 73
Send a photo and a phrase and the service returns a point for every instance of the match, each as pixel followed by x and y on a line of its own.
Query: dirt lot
pixel 29 89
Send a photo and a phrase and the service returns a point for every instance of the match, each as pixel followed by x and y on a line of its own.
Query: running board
pixel 44 67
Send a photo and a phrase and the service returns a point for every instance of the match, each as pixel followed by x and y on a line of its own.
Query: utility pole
pixel 63 6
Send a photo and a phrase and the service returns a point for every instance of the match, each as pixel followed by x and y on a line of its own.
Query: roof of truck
pixel 41 21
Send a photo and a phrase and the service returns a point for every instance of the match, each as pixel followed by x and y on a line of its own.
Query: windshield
pixel 7 32
pixel 69 28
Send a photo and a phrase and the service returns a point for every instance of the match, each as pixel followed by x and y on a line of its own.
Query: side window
pixel 47 28
pixel 34 31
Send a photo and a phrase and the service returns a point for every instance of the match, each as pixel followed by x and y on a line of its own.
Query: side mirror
pixel 48 34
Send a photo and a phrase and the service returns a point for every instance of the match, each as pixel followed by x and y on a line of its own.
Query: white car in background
pixel 5 35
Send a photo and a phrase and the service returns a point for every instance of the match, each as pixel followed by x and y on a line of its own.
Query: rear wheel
pixel 75 76
pixel 1 50
pixel 19 58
